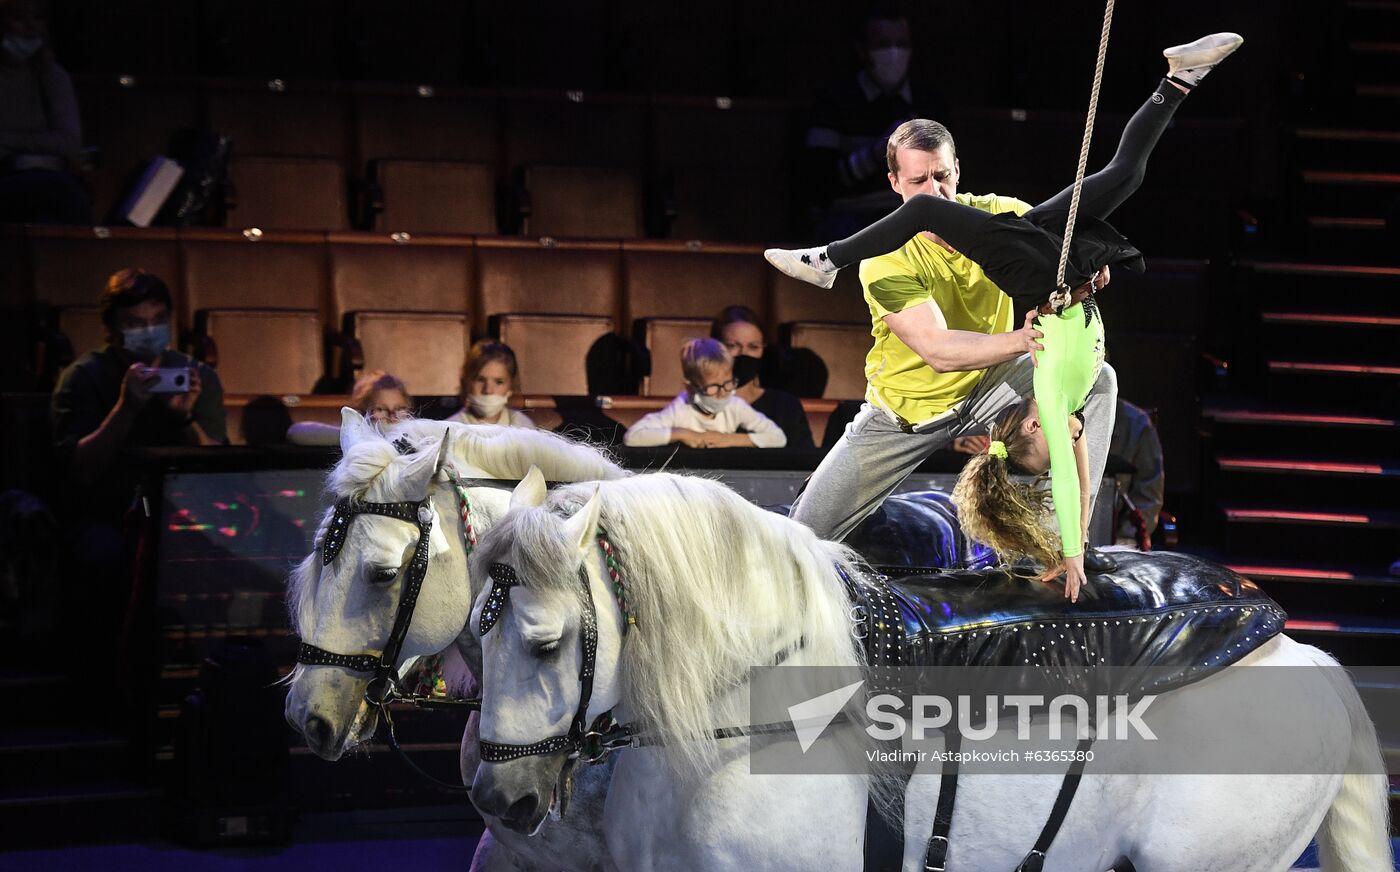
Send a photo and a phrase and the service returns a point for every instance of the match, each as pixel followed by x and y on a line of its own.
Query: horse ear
pixel 531 490
pixel 581 527
pixel 354 429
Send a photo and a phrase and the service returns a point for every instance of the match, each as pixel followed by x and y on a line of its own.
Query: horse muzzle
pixel 518 793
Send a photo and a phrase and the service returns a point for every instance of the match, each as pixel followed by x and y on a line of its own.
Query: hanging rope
pixel 1061 297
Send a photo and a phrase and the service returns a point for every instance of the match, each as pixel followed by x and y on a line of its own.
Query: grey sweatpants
pixel 874 455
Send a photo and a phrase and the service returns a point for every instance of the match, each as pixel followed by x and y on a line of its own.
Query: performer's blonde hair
pixel 1011 518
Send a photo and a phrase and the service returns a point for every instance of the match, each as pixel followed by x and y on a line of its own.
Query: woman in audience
pixel 708 413
pixel 379 396
pixel 489 377
pixel 737 329
pixel 40 133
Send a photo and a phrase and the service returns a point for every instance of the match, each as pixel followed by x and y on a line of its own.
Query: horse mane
pixel 509 452
pixel 718 586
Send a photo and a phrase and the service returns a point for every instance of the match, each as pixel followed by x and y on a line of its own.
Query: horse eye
pixel 548 649
pixel 384 576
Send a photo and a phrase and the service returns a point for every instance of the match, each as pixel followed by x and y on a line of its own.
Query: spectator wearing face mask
pixel 737 329
pixel 707 414
pixel 489 377
pixel 104 401
pixel 844 147
pixel 40 132
pixel 382 398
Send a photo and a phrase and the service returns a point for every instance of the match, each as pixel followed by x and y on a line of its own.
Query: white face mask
pixel 487 405
pixel 21 48
pixel 710 405
pixel 888 66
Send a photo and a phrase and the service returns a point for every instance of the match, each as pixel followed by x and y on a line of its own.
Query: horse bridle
pixel 581 735
pixel 383 687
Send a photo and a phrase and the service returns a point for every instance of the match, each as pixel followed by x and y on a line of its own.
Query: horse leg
pixel 1355 833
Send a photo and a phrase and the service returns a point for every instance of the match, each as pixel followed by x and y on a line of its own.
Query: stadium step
pixel 1327 481
pixel 1354 639
pixel 1289 531
pixel 1284 284
pixel 1358 192
pixel 76 813
pixel 1334 148
pixel 55 755
pixel 1307 589
pixel 1237 427
pixel 1337 368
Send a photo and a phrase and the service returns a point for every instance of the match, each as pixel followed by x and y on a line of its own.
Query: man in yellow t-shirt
pixel 946 359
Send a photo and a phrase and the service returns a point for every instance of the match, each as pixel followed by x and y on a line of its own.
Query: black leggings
pixel 963 226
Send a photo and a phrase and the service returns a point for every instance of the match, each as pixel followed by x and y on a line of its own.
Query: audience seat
pixel 407 123
pixel 69 266
pixel 227 270
pixel 723 168
pixel 264 351
pixel 295 121
pixel 663 339
pixel 794 300
pixel 375 272
pixel 426 282
pixel 842 347
pixel 582 201
pixel 425 349
pixel 435 196
pixel 517 275
pixel 736 205
pixel 130 120
pixel 288 193
pixel 675 280
pixel 581 128
pixel 552 350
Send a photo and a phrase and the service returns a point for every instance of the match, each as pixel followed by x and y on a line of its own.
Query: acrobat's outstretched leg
pixel 963 226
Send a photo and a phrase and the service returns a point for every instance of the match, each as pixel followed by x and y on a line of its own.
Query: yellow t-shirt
pixel 899 380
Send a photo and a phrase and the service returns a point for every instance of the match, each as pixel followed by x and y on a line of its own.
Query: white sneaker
pixel 1189 63
pixel 802 264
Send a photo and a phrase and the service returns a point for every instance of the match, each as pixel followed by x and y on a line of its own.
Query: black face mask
pixel 746 368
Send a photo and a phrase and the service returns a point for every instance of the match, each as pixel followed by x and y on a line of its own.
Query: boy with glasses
pixel 707 414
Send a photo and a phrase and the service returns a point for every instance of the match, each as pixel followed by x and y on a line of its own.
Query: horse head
pixel 343 596
pixel 551 635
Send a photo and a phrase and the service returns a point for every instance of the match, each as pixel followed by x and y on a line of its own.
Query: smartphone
pixel 171 380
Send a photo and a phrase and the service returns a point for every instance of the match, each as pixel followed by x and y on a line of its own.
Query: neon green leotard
pixel 1067 370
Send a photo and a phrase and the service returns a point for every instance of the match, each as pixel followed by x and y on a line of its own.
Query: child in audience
pixel 739 330
pixel 489 377
pixel 707 414
pixel 379 396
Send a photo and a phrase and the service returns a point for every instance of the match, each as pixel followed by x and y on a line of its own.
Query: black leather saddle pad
pixel 1163 619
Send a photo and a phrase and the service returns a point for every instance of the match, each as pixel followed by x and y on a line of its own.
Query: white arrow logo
pixel 811 718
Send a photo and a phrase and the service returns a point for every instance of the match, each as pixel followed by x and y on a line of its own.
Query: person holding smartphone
pixel 135 391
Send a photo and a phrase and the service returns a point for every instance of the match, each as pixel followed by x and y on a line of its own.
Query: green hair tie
pixel 997 449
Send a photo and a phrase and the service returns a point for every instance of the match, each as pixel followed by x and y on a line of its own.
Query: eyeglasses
pixel 384 413
pixel 720 388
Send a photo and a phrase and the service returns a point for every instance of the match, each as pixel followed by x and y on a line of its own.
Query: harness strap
pixel 936 857
pixel 1036 858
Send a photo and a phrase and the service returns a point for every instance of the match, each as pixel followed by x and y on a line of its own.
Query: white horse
pixel 349 606
pixel 717 586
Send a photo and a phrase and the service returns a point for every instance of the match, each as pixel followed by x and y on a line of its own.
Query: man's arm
pixel 923 328
pixel 96 449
